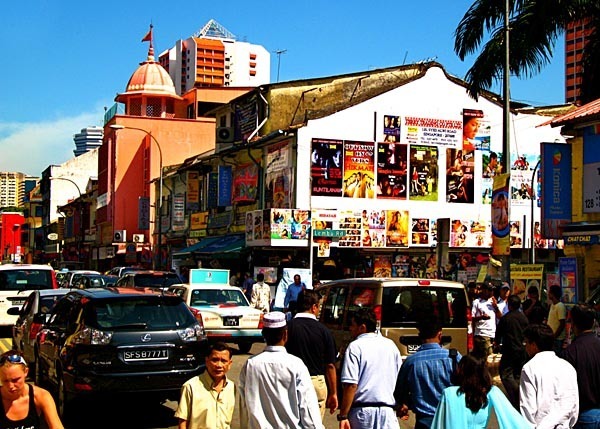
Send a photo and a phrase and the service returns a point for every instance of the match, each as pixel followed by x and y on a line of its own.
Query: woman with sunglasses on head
pixel 24 405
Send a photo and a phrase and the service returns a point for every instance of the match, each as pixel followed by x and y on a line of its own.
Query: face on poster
pixel 326 167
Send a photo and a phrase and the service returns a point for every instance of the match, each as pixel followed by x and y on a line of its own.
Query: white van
pixel 17 281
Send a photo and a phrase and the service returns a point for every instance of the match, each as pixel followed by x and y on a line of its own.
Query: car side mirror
pixel 14 311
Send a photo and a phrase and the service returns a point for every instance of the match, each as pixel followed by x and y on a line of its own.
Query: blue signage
pixel 225 180
pixel 201 275
pixel 556 188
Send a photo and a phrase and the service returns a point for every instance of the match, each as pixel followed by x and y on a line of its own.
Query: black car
pixel 119 340
pixel 149 278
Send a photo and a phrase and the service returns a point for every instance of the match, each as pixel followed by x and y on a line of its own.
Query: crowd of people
pixel 545 382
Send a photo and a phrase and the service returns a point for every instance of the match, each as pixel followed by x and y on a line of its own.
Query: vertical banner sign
pixel 245 184
pixel 591 177
pixel 178 212
pixel 224 186
pixel 500 215
pixel 213 190
pixel 326 167
pixel 144 213
pixel 359 170
pixel 193 191
pixel 567 270
pixel 556 188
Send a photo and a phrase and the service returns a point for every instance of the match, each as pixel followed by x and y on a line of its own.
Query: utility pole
pixel 278 52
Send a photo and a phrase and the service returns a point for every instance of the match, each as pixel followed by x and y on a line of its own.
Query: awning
pixel 211 245
pixel 226 244
pixel 196 247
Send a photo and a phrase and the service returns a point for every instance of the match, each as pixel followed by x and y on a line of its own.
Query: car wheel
pixel 38 373
pixel 244 347
pixel 63 400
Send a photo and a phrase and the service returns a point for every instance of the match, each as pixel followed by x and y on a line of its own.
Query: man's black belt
pixel 370 404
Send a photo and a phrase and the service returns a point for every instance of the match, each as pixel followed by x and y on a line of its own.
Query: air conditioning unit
pixel 120 236
pixel 138 238
pixel 225 135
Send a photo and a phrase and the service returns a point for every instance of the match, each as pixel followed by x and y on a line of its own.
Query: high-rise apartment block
pixel 12 189
pixel 214 57
pixel 88 139
pixel 575 40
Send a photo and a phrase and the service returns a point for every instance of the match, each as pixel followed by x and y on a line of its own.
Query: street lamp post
pixel 82 232
pixel 160 191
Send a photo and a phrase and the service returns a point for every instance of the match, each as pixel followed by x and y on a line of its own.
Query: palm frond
pixel 482 17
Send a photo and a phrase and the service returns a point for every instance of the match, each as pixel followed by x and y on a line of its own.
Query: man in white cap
pixel 275 388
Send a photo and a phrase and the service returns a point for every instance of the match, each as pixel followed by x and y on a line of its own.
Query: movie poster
pixel 359 170
pixel 373 228
pixel 391 128
pixel 420 232
pixel 326 167
pixel 397 228
pixel 391 170
pixel 424 174
pixel 460 185
pixel 500 216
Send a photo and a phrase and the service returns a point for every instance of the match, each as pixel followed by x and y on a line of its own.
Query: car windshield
pixel 139 312
pixel 409 305
pixel 218 297
pixel 25 279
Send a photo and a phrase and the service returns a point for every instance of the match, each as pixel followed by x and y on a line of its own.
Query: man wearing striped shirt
pixel 424 375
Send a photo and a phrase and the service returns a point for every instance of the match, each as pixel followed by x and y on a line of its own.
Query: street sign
pixel 329 232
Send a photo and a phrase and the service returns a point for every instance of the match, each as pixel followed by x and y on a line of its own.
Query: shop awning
pixel 226 244
pixel 196 247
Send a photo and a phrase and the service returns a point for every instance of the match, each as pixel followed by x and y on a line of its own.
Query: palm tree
pixel 534 26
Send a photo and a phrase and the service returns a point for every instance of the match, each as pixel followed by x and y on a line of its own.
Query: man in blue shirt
pixel 291 295
pixel 424 375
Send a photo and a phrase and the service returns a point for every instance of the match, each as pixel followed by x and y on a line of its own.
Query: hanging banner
pixel 144 213
pixel 567 269
pixel 245 183
pixel 556 188
pixel 500 215
pixel 224 186
pixel 278 193
pixel 193 191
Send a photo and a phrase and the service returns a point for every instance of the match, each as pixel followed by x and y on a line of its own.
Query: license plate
pixel 231 321
pixel 412 348
pixel 145 355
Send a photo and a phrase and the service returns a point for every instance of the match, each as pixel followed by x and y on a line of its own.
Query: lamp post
pixel 533 199
pixel 82 232
pixel 160 190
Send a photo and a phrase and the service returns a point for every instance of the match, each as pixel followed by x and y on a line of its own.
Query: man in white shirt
pixel 275 389
pixel 549 396
pixel 557 316
pixel 483 317
pixel 261 294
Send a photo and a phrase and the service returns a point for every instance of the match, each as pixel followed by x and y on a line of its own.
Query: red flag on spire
pixel 148 36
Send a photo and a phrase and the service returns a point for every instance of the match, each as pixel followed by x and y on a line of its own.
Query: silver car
pixel 32 316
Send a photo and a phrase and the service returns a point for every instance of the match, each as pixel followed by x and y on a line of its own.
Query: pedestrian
pixel 313 342
pixel 247 285
pixel 548 393
pixel 207 401
pixel 291 295
pixel 503 295
pixel 369 372
pixel 557 317
pixel 261 294
pixel 24 405
pixel 583 353
pixel 470 403
pixel 483 315
pixel 425 374
pixel 510 340
pixel 275 389
pixel 533 308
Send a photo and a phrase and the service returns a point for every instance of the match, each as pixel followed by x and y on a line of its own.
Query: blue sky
pixel 64 61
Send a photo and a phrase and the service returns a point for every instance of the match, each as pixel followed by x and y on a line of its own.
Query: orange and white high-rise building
pixel 213 57
pixel 575 41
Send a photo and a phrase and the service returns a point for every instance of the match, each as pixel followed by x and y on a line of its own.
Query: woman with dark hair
pixel 469 404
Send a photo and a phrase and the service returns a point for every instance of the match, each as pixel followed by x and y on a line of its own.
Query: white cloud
pixel 30 147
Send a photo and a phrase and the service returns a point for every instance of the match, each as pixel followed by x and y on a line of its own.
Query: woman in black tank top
pixel 19 413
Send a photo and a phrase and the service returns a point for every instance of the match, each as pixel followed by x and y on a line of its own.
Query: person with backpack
pixel 425 374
